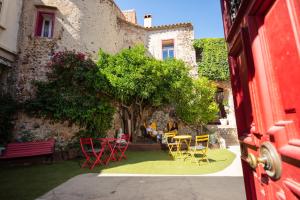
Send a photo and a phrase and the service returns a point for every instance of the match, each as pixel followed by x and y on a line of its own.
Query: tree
pixel 71 95
pixel 212 54
pixel 138 81
pixel 197 106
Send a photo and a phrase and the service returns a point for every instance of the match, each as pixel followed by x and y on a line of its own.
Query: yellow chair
pixel 172 145
pixel 200 148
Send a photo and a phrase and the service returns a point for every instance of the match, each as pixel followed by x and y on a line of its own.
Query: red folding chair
pixel 93 155
pixel 121 146
pixel 110 150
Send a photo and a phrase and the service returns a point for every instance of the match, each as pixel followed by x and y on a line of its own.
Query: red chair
pixel 121 146
pixel 110 152
pixel 93 155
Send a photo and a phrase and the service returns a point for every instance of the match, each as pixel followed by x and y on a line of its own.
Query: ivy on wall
pixel 212 58
pixel 71 95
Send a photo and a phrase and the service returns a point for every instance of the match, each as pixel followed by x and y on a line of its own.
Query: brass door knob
pixel 269 158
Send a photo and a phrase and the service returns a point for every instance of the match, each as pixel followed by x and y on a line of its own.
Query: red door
pixel 263 37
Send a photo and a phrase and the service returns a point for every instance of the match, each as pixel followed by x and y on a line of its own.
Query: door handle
pixel 269 158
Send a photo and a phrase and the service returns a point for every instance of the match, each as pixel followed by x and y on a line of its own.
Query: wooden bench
pixel 28 149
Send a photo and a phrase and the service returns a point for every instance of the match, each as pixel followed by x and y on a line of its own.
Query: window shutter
pixel 39 24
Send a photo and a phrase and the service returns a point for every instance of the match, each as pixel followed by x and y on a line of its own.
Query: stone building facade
pixel 48 26
pixel 181 36
pixel 86 26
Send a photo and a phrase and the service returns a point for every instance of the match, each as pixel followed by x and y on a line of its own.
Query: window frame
pixel 168 45
pixel 40 19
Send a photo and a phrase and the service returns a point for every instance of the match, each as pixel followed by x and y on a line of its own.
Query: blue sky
pixel 205 15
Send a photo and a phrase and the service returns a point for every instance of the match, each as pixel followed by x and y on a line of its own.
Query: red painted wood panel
pixel 264 58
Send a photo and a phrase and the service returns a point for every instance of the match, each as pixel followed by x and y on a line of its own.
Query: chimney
pixel 147 21
pixel 130 16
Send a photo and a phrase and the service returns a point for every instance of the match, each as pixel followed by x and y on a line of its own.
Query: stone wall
pixel 131 34
pixel 162 116
pixel 84 26
pixel 183 44
pixel 228 97
pixel 229 134
pixel 32 128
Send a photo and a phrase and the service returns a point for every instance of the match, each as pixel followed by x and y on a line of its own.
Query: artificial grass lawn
pixel 30 182
pixel 159 162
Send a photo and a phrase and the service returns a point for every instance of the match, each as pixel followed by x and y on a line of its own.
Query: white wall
pixel 9 24
pixel 183 44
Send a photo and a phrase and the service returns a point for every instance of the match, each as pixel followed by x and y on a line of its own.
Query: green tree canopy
pixel 137 81
pixel 212 62
pixel 197 106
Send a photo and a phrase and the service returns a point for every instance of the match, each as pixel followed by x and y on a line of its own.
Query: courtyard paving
pixel 92 186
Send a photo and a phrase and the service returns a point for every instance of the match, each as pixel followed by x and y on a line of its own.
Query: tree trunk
pixel 139 118
pixel 135 114
pixel 133 135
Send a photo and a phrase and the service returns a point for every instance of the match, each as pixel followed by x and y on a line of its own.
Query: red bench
pixel 28 149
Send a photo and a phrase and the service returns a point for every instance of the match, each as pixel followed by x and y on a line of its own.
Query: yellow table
pixel 180 139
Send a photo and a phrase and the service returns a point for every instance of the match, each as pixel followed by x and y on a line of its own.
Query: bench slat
pixel 27 149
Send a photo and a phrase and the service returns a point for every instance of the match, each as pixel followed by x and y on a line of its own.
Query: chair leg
pixel 86 162
pixel 97 161
pixel 122 155
pixel 172 151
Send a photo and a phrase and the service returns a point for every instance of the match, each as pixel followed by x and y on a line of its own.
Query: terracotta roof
pixel 162 27
pixel 170 26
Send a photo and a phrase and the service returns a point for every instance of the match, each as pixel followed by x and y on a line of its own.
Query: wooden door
pixel 264 56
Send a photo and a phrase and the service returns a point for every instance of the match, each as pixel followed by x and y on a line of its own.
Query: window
pixel 47 26
pixel 168 49
pixel 44 24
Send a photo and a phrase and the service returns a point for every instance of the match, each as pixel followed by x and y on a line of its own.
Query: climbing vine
pixel 212 58
pixel 70 94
